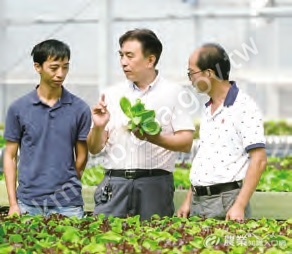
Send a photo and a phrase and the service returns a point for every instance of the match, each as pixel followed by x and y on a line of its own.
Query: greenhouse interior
pixel 255 34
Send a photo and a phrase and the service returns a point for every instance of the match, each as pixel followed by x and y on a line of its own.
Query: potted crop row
pixel 58 234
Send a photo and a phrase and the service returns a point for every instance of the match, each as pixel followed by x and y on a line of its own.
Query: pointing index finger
pixel 102 100
pixel 102 97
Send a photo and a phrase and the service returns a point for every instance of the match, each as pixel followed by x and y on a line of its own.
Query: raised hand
pixel 100 114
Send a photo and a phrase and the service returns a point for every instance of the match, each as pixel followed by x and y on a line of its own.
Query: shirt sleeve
pixel 84 124
pixel 250 127
pixel 12 125
pixel 182 118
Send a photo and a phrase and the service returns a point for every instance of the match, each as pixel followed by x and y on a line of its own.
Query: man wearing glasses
pixel 231 154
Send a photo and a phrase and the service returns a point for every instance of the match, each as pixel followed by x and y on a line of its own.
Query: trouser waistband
pixel 216 188
pixel 136 173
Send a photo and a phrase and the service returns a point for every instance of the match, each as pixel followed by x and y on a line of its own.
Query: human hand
pixel 146 137
pixel 14 209
pixel 138 135
pixel 184 210
pixel 236 212
pixel 100 114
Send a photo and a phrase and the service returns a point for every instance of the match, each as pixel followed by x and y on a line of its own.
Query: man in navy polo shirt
pixel 231 154
pixel 49 125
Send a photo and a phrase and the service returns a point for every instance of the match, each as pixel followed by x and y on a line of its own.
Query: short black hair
pixel 150 42
pixel 213 56
pixel 50 48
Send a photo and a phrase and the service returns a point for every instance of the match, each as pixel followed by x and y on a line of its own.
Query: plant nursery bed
pixel 59 234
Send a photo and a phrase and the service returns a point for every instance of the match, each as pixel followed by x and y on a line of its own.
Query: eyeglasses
pixel 190 74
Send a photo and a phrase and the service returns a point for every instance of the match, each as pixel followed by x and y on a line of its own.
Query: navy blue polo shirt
pixel 47 137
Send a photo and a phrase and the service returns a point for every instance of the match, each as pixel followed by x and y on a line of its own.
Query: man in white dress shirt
pixel 231 153
pixel 138 178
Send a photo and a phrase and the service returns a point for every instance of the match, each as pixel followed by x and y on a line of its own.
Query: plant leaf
pixel 131 126
pixel 15 238
pixel 151 127
pixel 138 107
pixel 146 115
pixel 94 248
pixel 110 236
pixel 126 106
pixel 136 120
pixel 71 235
pixel 5 248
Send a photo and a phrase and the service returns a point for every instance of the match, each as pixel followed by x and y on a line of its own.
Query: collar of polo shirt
pixel 230 97
pixel 64 99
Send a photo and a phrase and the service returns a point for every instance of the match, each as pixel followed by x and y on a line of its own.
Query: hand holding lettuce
pixel 140 118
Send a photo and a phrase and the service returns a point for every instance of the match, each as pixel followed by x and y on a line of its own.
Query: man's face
pixel 200 78
pixel 133 62
pixel 53 71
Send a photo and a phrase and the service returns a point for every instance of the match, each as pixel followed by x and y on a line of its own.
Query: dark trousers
pixel 143 196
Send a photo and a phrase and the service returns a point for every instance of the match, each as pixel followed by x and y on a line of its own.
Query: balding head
pixel 213 56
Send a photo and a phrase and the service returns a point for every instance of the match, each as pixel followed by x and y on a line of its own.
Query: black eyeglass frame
pixel 190 74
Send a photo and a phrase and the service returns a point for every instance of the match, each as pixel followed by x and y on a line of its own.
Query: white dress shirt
pixel 123 150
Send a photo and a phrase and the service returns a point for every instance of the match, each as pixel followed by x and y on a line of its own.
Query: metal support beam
pixel 105 15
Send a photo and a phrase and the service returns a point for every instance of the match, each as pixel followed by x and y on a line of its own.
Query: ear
pixel 151 60
pixel 211 73
pixel 37 67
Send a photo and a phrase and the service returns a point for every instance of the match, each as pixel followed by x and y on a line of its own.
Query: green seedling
pixel 140 118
